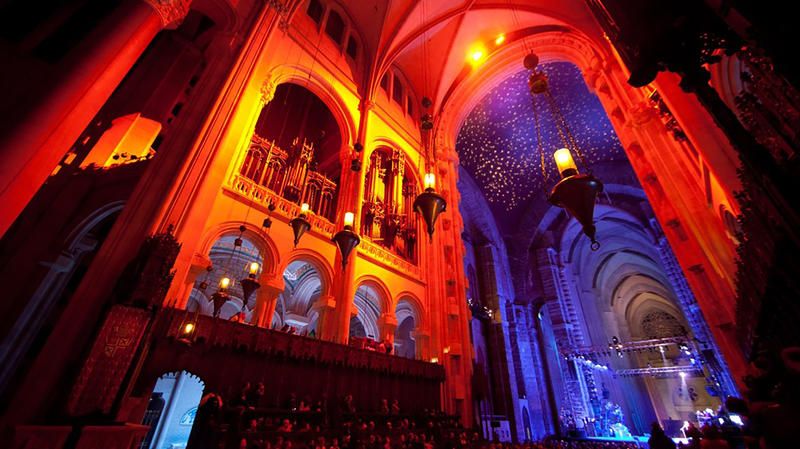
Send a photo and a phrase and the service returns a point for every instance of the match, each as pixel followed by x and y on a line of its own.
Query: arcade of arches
pixel 203 194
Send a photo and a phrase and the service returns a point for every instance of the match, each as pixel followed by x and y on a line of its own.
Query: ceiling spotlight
pixel 500 39
pixel 477 54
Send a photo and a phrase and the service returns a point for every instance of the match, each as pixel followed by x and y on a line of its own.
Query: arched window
pixel 335 27
pixel 352 47
pixel 397 91
pixel 315 11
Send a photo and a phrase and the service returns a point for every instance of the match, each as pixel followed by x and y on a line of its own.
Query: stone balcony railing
pixel 259 194
pixel 268 344
pixel 383 256
pixel 246 188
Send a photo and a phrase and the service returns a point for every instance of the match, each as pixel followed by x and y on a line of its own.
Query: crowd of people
pixel 240 423
pixel 243 422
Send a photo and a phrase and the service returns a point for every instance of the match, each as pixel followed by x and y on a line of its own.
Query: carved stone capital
pixel 365 105
pixel 172 12
pixel 642 113
pixel 268 87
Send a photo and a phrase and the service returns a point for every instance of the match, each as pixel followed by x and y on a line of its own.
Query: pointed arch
pixel 323 89
pixel 269 251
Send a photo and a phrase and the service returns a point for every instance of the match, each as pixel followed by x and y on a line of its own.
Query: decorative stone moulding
pixel 283 208
pixel 172 12
pixel 386 257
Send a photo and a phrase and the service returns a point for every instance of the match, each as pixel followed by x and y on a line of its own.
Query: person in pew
pixel 347 404
pixel 205 432
pixel 255 396
pixel 384 409
pixel 395 407
pixel 286 426
pixel 291 403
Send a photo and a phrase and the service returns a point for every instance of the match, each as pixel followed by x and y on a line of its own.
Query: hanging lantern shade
pixel 537 83
pixel 249 285
pixel 221 296
pixel 430 204
pixel 346 240
pixel 577 194
pixel 300 224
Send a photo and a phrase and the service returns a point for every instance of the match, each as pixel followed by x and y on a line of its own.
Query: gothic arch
pixel 269 251
pixel 418 309
pixel 384 294
pixel 42 304
pixel 411 157
pixel 321 88
pixel 549 42
pixel 317 260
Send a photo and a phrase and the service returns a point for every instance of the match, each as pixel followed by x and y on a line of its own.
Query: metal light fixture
pixel 187 332
pixel 430 204
pixel 300 224
pixel 574 192
pixel 346 239
pixel 249 285
pixel 221 296
pixel 268 221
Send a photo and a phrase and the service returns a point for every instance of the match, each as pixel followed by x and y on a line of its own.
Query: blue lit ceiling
pixel 497 142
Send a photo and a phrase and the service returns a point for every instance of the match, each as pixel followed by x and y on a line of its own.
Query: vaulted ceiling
pixel 429 40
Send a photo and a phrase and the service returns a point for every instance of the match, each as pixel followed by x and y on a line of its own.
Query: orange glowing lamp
pixel 565 163
pixel 349 218
pixel 430 181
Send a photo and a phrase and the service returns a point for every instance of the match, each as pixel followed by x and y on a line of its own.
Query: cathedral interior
pixel 399 224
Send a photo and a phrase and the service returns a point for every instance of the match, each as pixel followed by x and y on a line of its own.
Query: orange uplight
pixel 500 39
pixel 477 54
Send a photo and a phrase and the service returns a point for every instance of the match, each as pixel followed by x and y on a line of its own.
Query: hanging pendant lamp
pixel 574 192
pixel 430 204
pixel 249 285
pixel 300 224
pixel 221 296
pixel 346 239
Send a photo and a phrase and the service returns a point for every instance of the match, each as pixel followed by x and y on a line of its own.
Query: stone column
pixel 350 200
pixel 266 300
pixel 387 325
pixel 35 145
pixel 422 342
pixel 325 307
pixel 198 270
